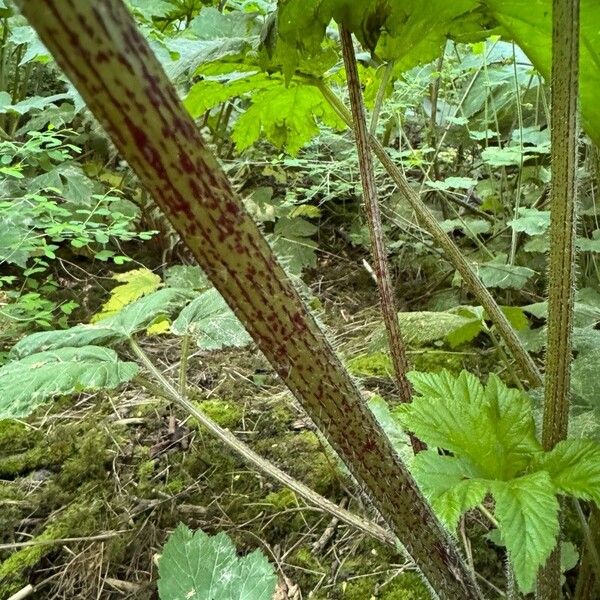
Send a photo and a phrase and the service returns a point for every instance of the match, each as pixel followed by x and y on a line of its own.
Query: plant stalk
pixel 100 48
pixel 561 276
pixel 380 263
pixel 265 466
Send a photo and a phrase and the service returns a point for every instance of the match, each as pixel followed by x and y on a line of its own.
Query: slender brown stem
pixel 380 263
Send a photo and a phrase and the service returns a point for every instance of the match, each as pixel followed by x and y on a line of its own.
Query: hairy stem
pixel 380 263
pixel 98 45
pixel 561 291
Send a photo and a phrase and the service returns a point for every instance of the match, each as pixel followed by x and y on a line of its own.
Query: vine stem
pixel 382 273
pixel 561 290
pixel 267 467
pixel 451 250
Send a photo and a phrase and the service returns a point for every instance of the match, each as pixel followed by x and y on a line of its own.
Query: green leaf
pixel 135 284
pixel 532 30
pixel 531 221
pixel 449 483
pixel 527 513
pixel 390 426
pixel 27 383
pixel 490 426
pixel 291 240
pixel 287 117
pixel 574 466
pixel 195 566
pixel 189 277
pixel 211 323
pixel 497 273
pixel 135 317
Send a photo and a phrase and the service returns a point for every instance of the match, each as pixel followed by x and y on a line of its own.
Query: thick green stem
pixel 561 291
pixel 452 252
pixel 380 263
pixel 98 45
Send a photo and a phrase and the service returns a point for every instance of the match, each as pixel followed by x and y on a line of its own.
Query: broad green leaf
pixel 135 284
pixel 195 566
pixel 211 323
pixel 287 117
pixel 291 240
pixel 574 466
pixel 151 8
pixel 531 221
pixel 584 377
pixel 449 483
pixel 491 426
pixel 497 273
pixel 135 317
pixel 527 513
pixel 189 277
pixel 28 382
pixel 209 93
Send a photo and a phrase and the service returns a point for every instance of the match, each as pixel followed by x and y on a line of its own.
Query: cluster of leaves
pixel 482 441
pixel 87 361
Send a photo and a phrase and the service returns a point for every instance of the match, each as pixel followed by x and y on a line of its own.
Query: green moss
pixel 226 414
pixel 16 437
pixel 377 364
pixel 407 586
pixel 78 519
pixel 361 589
pixel 434 361
pixel 284 498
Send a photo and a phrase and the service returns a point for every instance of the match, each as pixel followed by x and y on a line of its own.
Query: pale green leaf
pixel 531 221
pixel 189 277
pixel 28 382
pixel 287 117
pixel 497 273
pixel 527 513
pixel 574 466
pixel 134 285
pixel 211 323
pixel 195 566
pixel 449 483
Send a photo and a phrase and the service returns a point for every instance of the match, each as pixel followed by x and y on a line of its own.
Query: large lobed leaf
pixel 195 566
pixel 491 427
pixel 27 383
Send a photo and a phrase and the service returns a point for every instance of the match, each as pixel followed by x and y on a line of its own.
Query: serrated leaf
pixel 527 513
pixel 460 183
pixel 390 426
pixel 135 284
pixel 287 117
pixel 291 241
pixel 211 323
pixel 195 566
pixel 28 382
pixel 491 426
pixel 574 467
pixel 449 483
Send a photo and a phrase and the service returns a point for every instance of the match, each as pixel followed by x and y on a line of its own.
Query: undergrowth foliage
pixel 457 93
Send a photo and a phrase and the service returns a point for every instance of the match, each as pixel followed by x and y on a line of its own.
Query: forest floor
pixel 90 489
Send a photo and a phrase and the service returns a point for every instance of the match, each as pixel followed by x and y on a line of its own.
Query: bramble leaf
pixel 527 512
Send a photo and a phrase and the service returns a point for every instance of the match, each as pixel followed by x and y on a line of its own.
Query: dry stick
pixel 380 263
pixel 98 45
pixel 561 292
pixel 452 251
pixel 267 467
